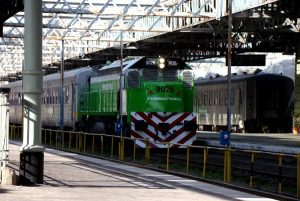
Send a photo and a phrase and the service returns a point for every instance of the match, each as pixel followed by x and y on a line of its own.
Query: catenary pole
pixel 229 65
pixel 62 69
pixel 121 85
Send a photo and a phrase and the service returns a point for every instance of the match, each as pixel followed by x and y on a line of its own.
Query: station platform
pixel 69 176
pixel 287 143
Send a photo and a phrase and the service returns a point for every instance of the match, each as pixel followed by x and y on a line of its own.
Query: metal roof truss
pixel 91 25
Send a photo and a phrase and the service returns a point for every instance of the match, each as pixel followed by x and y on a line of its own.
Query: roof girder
pixel 92 25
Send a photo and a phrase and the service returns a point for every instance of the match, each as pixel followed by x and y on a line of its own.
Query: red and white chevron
pixel 176 135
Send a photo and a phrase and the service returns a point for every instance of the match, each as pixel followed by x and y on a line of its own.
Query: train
pixel 142 98
pixel 260 103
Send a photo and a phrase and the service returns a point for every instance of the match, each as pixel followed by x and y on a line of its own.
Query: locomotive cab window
pixel 133 80
pixel 150 74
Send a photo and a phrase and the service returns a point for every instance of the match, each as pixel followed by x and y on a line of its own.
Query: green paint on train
pixel 146 88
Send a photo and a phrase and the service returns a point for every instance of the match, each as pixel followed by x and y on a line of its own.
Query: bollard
pixel 84 142
pixel 14 133
pixel 119 150
pixel 187 159
pixel 147 151
pixel 93 149
pixel 279 173
pixel 227 165
pixel 112 147
pixel 101 138
pixel 45 134
pixel 50 143
pixel 168 156
pixel 63 140
pixel 80 141
pixel 56 139
pixel 298 175
pixel 123 149
pixel 205 154
pixel 70 137
pixel 134 147
pixel 251 169
pixel 76 145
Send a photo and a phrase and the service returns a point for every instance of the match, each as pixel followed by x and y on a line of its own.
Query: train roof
pixel 12 84
pixel 117 64
pixel 237 78
pixel 67 74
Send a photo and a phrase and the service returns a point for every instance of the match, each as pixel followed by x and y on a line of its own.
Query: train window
pixel 210 97
pixel 19 99
pixel 66 92
pixel 216 97
pixel 232 96
pixel 52 96
pixel 221 98
pixel 12 99
pixel 170 75
pixel 205 98
pixel 200 97
pixel 56 94
pixel 47 96
pixel 133 79
pixel 240 96
pixel 43 97
pixel 150 74
pixel 225 96
pixel 196 99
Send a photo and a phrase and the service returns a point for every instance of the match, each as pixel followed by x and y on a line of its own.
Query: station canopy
pixel 87 26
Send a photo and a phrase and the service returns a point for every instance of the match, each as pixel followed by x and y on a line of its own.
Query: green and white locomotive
pixel 156 100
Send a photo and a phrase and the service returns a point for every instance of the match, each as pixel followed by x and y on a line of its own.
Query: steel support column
pixel 297 79
pixel 229 66
pixel 31 157
pixel 4 116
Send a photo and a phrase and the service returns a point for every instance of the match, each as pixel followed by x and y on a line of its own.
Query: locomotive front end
pixel 160 103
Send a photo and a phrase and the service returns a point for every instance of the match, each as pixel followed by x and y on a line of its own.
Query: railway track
pixel 265 172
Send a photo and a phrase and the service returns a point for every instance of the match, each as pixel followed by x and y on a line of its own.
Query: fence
pixel 266 171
